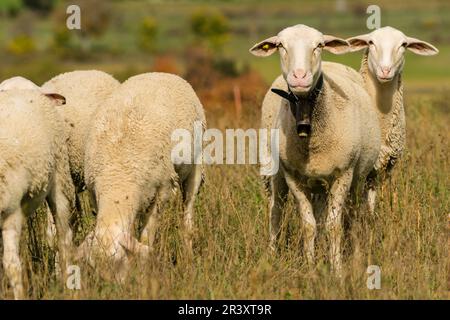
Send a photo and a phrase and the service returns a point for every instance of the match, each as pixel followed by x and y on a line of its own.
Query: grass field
pixel 408 238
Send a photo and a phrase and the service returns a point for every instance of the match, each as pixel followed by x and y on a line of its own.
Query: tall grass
pixel 407 238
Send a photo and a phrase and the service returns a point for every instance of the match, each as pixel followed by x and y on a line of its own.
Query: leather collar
pixel 302 107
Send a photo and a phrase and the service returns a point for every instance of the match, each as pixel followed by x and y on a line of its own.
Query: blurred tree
pixel 24 23
pixel 95 19
pixel 78 44
pixel 227 67
pixel 62 37
pixel 20 35
pixel 10 7
pixel 165 63
pixel 95 16
pixel 43 6
pixel 148 32
pixel 63 43
pixel 21 45
pixel 211 26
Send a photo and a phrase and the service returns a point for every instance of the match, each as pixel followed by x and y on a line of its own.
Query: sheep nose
pixel 299 73
pixel 386 71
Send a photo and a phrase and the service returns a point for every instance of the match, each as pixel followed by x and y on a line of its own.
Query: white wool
pixel 343 145
pixel 381 69
pixel 34 167
pixel 128 161
pixel 85 91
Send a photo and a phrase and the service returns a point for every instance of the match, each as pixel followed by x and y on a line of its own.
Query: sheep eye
pixel 318 48
pixel 370 42
pixel 404 44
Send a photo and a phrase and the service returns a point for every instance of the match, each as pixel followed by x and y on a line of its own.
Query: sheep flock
pixel 341 133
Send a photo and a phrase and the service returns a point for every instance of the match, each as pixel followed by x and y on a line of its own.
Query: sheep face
pixel 114 247
pixel 300 49
pixel 386 51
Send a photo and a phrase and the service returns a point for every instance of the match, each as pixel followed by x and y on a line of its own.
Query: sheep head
pixel 300 49
pixel 20 83
pixel 386 51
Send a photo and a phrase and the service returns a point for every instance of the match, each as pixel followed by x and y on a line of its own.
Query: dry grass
pixel 408 237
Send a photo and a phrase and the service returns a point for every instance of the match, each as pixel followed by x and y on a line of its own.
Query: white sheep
pixel 19 83
pixel 84 92
pixel 34 167
pixel 381 69
pixel 329 139
pixel 129 166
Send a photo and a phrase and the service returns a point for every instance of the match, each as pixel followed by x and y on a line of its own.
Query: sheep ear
pixel 421 47
pixel 359 42
pixel 336 45
pixel 266 47
pixel 59 99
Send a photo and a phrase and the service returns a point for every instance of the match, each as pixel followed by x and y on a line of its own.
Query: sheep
pixel 34 167
pixel 332 142
pixel 84 92
pixel 381 69
pixel 19 83
pixel 129 167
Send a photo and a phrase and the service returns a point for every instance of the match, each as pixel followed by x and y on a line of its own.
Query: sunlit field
pixel 408 237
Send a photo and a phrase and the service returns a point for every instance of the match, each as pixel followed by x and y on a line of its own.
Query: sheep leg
pixel 306 210
pixel 60 208
pixel 333 225
pixel 51 236
pixel 370 192
pixel 149 231
pixel 153 215
pixel 190 187
pixel 12 228
pixel 50 231
pixel 371 197
pixel 278 196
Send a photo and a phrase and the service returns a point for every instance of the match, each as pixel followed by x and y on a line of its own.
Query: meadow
pixel 408 237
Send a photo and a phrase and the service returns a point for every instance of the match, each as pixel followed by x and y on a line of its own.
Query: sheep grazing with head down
pixel 129 166
pixel 381 69
pixel 329 135
pixel 34 167
pixel 85 91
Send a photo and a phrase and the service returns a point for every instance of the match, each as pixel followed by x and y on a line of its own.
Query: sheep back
pixel 84 92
